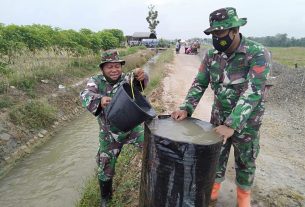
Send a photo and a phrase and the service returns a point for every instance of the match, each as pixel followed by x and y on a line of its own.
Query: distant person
pixel 178 45
pixel 186 47
pixel 237 70
pixel 188 51
pixel 96 96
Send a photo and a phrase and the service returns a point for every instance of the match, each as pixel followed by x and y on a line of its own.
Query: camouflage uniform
pixel 238 83
pixel 111 139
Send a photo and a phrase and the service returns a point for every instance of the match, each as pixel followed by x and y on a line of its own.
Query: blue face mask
pixel 222 43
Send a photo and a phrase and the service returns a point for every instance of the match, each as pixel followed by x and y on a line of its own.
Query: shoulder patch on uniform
pixel 259 69
pixel 201 68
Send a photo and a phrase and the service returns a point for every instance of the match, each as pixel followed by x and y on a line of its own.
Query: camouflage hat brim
pixel 112 61
pixel 226 25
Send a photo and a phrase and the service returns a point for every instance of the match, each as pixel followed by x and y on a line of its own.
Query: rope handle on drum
pixel 131 85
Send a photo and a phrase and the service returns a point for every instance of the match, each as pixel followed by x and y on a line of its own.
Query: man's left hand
pixel 139 74
pixel 224 132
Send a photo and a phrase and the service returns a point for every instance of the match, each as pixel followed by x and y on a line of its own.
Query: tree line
pixel 280 40
pixel 14 38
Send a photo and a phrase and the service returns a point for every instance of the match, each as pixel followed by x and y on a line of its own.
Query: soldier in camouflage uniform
pixel 95 98
pixel 236 69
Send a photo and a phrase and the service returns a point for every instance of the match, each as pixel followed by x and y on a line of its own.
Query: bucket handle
pixel 164 116
pixel 131 85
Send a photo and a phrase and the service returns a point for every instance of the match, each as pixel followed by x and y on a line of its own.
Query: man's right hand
pixel 179 115
pixel 105 100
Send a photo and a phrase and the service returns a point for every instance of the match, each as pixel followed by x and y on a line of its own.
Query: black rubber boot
pixel 106 192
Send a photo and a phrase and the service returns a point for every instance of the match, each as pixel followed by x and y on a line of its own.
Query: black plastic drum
pixel 179 163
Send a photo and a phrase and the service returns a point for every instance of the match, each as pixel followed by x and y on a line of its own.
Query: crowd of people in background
pixel 191 48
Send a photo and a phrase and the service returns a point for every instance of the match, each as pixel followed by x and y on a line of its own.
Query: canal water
pixel 55 173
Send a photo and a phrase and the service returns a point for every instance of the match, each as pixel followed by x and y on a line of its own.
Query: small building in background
pixel 137 37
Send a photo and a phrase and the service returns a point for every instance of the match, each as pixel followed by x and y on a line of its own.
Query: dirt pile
pixel 289 85
pixel 280 165
pixel 288 93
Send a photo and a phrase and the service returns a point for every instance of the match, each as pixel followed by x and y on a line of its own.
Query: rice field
pixel 289 56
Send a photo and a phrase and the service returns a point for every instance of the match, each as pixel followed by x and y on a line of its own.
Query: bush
pixel 14 38
pixel 34 114
pixel 108 41
pixel 3 86
pixel 5 102
pixel 4 70
pixel 23 82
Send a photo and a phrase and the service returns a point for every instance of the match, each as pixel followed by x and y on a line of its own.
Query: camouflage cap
pixel 111 56
pixel 224 18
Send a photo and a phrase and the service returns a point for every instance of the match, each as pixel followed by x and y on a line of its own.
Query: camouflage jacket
pixel 238 83
pixel 97 87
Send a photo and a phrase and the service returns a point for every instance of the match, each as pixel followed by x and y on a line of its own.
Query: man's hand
pixel 105 100
pixel 179 115
pixel 139 74
pixel 224 132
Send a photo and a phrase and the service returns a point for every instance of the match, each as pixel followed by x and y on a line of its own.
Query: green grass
pixel 6 102
pixel 136 60
pixel 289 56
pixel 28 79
pixel 3 86
pixel 130 50
pixel 33 114
pixel 126 179
pixel 124 182
pixel 56 68
pixel 4 70
pixel 91 193
pixel 158 72
pixel 23 81
pixel 166 57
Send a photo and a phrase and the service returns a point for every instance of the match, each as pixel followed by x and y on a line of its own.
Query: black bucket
pixel 124 112
pixel 178 173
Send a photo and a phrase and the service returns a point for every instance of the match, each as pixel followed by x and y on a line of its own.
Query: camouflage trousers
pixel 245 154
pixel 110 146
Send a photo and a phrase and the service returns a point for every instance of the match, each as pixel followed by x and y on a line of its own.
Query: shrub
pixel 5 102
pixel 34 114
pixel 23 82
pixel 108 41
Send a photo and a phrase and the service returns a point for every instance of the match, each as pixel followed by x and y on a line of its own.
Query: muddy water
pixel 150 63
pixel 54 174
pixel 187 131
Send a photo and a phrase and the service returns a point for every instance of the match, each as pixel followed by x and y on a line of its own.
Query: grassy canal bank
pixel 39 91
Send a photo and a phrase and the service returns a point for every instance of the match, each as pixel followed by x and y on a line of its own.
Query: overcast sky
pixel 178 18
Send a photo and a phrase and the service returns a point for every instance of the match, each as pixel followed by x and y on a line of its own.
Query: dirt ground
pixel 280 175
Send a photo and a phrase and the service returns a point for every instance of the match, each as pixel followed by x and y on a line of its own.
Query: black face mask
pixel 222 43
